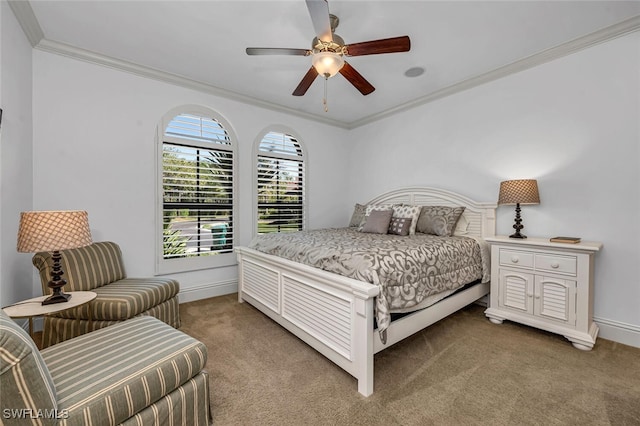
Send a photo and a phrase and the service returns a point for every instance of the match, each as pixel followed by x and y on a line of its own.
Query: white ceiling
pixel 459 43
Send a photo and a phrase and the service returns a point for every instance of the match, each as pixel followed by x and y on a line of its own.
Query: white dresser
pixel 544 285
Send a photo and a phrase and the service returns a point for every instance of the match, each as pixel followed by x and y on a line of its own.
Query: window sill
pixel 172 266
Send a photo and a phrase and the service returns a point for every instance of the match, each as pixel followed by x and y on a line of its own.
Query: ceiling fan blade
pixel 306 82
pixel 356 79
pixel 277 51
pixel 374 47
pixel 319 11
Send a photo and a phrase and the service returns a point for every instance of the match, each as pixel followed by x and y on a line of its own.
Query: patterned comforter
pixel 408 269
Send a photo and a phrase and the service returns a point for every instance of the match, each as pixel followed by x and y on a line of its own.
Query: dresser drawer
pixel 554 263
pixel 520 259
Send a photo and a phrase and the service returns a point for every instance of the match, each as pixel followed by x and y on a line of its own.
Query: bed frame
pixel 335 314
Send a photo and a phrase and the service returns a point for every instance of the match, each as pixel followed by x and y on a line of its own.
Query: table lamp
pixel 54 231
pixel 521 191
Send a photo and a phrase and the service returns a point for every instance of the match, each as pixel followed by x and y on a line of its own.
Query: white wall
pixel 16 270
pixel 94 130
pixel 573 124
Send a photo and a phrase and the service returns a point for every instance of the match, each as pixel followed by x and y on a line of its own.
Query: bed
pixel 336 314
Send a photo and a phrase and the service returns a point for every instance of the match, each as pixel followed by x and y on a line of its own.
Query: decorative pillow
pixel 358 215
pixel 373 207
pixel 377 222
pixel 439 220
pixel 462 227
pixel 408 211
pixel 399 226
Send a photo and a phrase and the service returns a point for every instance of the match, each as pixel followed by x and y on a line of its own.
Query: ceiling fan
pixel 328 51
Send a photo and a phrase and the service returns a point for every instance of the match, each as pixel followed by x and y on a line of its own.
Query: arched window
pixel 197 191
pixel 280 183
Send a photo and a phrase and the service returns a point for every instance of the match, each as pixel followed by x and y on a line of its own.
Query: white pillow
pixel 462 227
pixel 410 212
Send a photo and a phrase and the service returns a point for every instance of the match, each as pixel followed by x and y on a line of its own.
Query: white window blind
pixel 281 195
pixel 197 182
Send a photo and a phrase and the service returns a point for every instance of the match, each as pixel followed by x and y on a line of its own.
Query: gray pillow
pixel 372 207
pixel 400 226
pixel 378 222
pixel 439 220
pixel 358 215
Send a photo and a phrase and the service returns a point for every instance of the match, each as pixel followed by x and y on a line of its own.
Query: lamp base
pixel 57 297
pixel 57 282
pixel 518 224
pixel 517 235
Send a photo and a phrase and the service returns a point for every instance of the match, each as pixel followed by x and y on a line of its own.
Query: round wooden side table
pixel 34 308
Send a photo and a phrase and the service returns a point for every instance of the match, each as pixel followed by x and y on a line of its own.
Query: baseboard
pixel 627 334
pixel 207 290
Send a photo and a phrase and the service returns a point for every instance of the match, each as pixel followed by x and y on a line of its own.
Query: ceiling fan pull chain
pixel 324 100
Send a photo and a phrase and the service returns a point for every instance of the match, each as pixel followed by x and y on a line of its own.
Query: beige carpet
pixel 462 370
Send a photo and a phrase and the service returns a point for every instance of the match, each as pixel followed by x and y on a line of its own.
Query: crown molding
pixel 28 21
pixel 70 51
pixel 605 34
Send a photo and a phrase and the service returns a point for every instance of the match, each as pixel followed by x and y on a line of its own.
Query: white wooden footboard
pixel 331 313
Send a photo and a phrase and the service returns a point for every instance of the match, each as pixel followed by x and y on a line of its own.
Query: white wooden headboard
pixel 480 215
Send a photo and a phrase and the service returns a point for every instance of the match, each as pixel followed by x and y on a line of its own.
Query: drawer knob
pixel 555 265
pixel 515 259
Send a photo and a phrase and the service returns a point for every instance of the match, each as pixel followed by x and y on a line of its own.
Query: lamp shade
pixel 53 230
pixel 327 63
pixel 521 191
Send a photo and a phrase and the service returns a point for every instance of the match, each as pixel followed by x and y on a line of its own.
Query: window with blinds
pixel 197 188
pixel 281 180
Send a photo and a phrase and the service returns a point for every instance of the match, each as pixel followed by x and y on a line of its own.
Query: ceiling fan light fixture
pixel 327 63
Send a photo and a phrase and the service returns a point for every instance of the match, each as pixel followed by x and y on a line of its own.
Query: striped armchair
pixel 137 372
pixel 99 268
